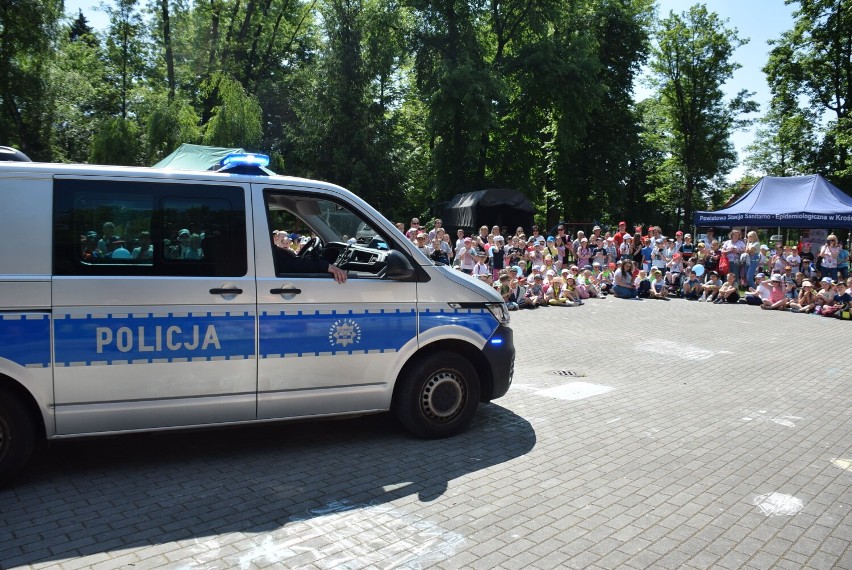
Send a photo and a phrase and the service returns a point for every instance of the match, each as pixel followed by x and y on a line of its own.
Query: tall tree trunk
pixel 167 43
pixel 212 92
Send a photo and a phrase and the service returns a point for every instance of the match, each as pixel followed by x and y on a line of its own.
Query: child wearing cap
pixel 825 295
pixel 806 302
pixel 497 256
pixel 535 292
pixel 688 248
pixel 711 286
pixel 571 289
pixel 675 270
pixel 480 268
pixel 584 253
pixel 555 294
pixel 760 292
pixel 692 288
pixel 777 300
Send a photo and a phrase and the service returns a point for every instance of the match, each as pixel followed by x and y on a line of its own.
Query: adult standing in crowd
pixel 413 230
pixel 753 252
pixel 708 238
pixel 618 238
pixel 733 248
pixel 575 245
pixel 842 262
pixel 437 225
pixel 830 254
pixel 536 237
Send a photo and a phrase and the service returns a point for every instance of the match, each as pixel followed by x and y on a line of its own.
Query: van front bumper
pixel 500 353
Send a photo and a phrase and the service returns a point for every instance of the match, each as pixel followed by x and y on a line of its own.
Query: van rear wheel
pixel 438 396
pixel 17 436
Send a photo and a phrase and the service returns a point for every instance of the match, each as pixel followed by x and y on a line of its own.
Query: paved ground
pixel 637 434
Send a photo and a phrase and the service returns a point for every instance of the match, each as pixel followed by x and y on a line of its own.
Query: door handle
pixel 225 291
pixel 289 291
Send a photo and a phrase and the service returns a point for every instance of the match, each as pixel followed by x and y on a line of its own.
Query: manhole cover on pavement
pixel 570 373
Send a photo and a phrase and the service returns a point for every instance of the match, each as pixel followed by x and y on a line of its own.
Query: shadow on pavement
pixel 93 496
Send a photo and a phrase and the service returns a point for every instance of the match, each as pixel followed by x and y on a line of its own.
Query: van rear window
pixel 108 227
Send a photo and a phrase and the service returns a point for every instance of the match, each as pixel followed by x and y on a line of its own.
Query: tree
pixel 76 81
pixel 785 144
pixel 814 60
pixel 690 63
pixel 453 80
pixel 28 31
pixel 237 121
pixel 601 163
pixel 125 57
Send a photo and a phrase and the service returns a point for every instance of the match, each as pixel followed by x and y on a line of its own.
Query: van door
pixel 325 347
pixel 154 304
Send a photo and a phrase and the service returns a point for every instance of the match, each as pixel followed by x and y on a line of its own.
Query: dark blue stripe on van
pixel 479 321
pixel 309 333
pixel 148 337
pixel 26 339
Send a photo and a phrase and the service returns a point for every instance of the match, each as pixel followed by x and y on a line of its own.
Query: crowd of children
pixel 531 271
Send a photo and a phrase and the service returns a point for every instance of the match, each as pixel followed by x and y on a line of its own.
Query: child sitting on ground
pixel 777 300
pixel 807 299
pixel 643 285
pixel 659 290
pixel 692 288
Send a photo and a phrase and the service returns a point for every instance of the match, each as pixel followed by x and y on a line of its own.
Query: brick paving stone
pixel 659 472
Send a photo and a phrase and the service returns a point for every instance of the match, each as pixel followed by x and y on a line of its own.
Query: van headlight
pixel 500 312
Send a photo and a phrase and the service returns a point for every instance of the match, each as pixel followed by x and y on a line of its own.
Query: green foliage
pixel 169 125
pixel 28 31
pixel 407 102
pixel 237 120
pixel 125 57
pixel 813 61
pixel 691 62
pixel 600 168
pixel 116 142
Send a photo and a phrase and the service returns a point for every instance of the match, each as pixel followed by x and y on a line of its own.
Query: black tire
pixel 438 396
pixel 17 436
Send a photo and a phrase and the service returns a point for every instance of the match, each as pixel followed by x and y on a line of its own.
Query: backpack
pixel 723 265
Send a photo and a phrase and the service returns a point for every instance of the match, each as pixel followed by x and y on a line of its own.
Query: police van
pixel 136 299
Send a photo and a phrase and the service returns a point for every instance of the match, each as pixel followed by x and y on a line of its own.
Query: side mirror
pixel 397 266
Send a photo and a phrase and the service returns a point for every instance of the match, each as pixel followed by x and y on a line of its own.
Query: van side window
pixel 320 231
pixel 145 228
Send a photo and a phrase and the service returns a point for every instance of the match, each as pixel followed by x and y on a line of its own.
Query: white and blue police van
pixel 136 299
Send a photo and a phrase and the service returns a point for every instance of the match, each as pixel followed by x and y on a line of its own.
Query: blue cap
pixel 551 238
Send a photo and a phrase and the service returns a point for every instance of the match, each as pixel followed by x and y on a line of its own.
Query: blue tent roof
pixel 786 202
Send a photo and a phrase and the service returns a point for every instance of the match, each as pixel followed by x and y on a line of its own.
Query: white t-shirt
pixel 764 290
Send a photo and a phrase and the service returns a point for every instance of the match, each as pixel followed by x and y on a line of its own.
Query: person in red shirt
pixel 619 236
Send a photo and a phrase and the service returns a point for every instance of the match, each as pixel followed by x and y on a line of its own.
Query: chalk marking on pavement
pixel 353 536
pixel 778 504
pixel 571 391
pixel 575 391
pixel 761 417
pixel 670 348
pixel 845 464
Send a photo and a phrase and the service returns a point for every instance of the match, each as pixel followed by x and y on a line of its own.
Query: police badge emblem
pixel 344 333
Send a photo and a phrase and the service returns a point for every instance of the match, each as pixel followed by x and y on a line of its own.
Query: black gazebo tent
pixel 492 207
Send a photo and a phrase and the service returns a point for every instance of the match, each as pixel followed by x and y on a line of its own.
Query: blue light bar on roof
pixel 245 159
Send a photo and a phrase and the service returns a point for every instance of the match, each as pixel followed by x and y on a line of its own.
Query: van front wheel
pixel 439 396
pixel 17 436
